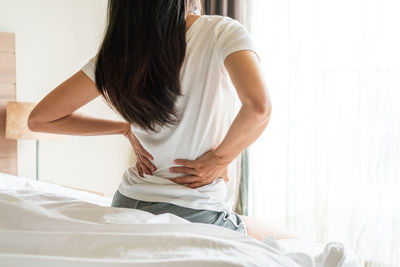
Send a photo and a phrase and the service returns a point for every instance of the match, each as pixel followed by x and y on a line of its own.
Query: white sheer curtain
pixel 328 164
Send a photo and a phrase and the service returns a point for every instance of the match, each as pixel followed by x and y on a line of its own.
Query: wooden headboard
pixel 8 148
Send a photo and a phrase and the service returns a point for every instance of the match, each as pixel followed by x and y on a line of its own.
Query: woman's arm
pixel 254 115
pixel 249 123
pixel 56 113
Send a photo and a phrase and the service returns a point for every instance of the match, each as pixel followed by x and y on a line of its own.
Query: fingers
pixel 148 163
pixel 198 171
pixel 145 153
pixel 139 148
pixel 198 184
pixel 194 185
pixel 183 170
pixel 142 168
pixel 143 157
pixel 146 169
pixel 186 179
pixel 142 164
pixel 186 162
pixel 140 171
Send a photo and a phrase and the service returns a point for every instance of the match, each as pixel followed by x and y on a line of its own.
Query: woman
pixel 172 76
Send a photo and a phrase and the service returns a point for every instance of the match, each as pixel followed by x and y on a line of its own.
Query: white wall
pixel 54 39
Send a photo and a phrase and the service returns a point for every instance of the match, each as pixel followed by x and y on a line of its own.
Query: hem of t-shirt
pixel 154 198
pixel 236 49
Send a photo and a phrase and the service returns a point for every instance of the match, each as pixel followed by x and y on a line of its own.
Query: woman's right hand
pixel 201 171
pixel 143 163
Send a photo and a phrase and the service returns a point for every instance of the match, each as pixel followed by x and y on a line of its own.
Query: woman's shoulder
pixel 218 19
pixel 219 25
pixel 229 34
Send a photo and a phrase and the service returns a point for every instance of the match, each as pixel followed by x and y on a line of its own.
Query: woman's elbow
pixel 262 110
pixel 34 124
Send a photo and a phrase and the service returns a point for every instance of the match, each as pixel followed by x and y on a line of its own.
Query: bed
pixel 44 224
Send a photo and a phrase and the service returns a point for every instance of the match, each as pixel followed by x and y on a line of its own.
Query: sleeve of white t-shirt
pixel 233 36
pixel 89 68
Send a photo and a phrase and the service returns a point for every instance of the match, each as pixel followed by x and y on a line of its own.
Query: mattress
pixel 44 224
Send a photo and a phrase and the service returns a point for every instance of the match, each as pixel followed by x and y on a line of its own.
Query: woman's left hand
pixel 201 171
pixel 143 158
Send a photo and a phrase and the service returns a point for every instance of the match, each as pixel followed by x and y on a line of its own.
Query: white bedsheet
pixel 42 224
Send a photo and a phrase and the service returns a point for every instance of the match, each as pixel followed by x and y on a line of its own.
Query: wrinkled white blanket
pixel 42 224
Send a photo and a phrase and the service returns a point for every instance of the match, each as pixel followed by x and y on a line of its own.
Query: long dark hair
pixel 139 61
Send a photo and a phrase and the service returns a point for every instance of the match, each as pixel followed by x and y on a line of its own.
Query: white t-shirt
pixel 208 107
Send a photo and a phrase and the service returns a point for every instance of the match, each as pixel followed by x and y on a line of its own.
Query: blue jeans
pixel 224 218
